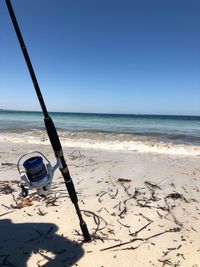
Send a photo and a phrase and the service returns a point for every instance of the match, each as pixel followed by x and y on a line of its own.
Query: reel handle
pixel 24 191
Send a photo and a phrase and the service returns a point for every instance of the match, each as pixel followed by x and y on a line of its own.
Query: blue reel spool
pixel 35 169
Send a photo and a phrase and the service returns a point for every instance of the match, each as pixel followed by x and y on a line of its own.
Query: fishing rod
pixel 37 174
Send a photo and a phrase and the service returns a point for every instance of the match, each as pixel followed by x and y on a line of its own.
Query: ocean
pixel 157 128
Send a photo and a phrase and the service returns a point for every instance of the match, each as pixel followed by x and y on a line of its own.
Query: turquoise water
pixel 175 129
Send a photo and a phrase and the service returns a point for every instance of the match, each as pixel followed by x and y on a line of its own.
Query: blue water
pixel 175 129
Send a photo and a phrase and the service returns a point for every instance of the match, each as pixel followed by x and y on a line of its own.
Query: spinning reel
pixel 36 174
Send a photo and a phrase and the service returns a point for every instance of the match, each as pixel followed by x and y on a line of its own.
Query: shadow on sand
pixel 19 241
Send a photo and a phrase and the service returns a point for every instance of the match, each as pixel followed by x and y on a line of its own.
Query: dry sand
pixel 145 203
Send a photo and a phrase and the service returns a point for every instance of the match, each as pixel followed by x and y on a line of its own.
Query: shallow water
pixel 174 129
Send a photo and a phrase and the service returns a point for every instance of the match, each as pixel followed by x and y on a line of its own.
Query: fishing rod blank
pixel 51 130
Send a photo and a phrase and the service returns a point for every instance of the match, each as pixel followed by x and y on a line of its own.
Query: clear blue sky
pixel 105 56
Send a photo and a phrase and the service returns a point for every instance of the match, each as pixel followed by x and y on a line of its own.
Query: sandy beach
pixel 120 80
pixel 141 205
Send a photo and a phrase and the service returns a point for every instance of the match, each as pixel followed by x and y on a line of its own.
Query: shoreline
pixel 175 130
pixel 102 141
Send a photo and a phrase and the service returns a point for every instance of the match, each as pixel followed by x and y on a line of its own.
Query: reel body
pixel 36 174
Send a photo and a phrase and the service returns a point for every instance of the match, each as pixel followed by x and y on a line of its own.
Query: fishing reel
pixel 37 173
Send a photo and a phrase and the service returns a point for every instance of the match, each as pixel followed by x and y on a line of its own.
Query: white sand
pixel 29 237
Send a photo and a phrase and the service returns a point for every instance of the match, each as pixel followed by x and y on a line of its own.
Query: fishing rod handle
pixel 73 196
pixel 85 232
pixel 68 181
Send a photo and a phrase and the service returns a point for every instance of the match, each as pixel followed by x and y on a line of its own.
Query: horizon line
pixel 99 113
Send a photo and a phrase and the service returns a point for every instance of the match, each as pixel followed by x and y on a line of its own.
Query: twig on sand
pixel 118 205
pixel 142 239
pixel 124 211
pixel 134 196
pixel 103 208
pixel 136 193
pixel 99 199
pixel 97 234
pixel 176 221
pixel 133 248
pixel 51 201
pixel 123 180
pixel 41 213
pixel 8 164
pixel 97 219
pixel 14 199
pixel 174 248
pixel 125 225
pixel 126 190
pixel 143 203
pixel 168 262
pixel 112 197
pixel 136 232
pixel 5 206
pixel 145 217
pixel 151 185
pixel 160 215
pixel 2 214
pixel 77 232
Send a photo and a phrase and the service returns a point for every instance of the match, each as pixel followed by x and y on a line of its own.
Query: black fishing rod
pixel 51 130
